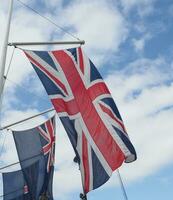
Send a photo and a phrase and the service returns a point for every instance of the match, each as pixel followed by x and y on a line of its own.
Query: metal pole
pixel 28 118
pixel 122 185
pixel 4 52
pixel 83 196
pixel 81 42
pixel 10 165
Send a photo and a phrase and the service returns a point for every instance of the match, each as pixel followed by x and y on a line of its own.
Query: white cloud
pixel 146 119
pixel 65 169
pixel 7 157
pixel 111 30
pixel 100 25
pixel 144 7
pixel 67 180
pixel 18 115
pixel 54 4
pixel 67 173
pixel 139 44
pixel 146 116
pixel 139 90
pixel 22 30
pixel 170 10
pixel 8 150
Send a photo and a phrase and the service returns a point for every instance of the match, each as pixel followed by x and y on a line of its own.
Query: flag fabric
pixel 37 145
pixel 87 111
pixel 15 186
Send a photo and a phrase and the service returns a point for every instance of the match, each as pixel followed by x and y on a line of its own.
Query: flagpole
pixel 4 55
pixel 4 52
pixel 122 185
pixel 28 118
pixel 81 42
pixel 82 196
pixel 18 162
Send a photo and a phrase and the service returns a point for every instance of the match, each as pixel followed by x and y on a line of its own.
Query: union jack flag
pixel 36 149
pixel 87 111
pixel 47 133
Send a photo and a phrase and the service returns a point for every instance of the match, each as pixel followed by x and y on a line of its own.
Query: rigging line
pixel 49 20
pixel 1 100
pixel 3 143
pixel 24 89
pixel 8 69
pixel 12 164
pixel 13 82
pixel 122 185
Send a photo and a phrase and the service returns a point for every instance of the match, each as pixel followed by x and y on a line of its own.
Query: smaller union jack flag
pixel 47 133
pixel 36 152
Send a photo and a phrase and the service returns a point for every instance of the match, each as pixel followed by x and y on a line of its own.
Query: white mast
pixel 4 52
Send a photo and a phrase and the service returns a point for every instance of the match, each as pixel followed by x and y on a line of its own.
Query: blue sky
pixel 130 41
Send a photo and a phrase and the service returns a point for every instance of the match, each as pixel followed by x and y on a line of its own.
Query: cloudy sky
pixel 130 41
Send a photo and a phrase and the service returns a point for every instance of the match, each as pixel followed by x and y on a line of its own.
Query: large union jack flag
pixel 87 111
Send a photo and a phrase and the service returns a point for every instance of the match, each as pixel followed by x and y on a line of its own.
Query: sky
pixel 130 42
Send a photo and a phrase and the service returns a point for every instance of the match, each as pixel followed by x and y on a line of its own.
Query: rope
pixel 8 69
pixel 49 20
pixel 24 89
pixel 3 143
pixel 1 99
